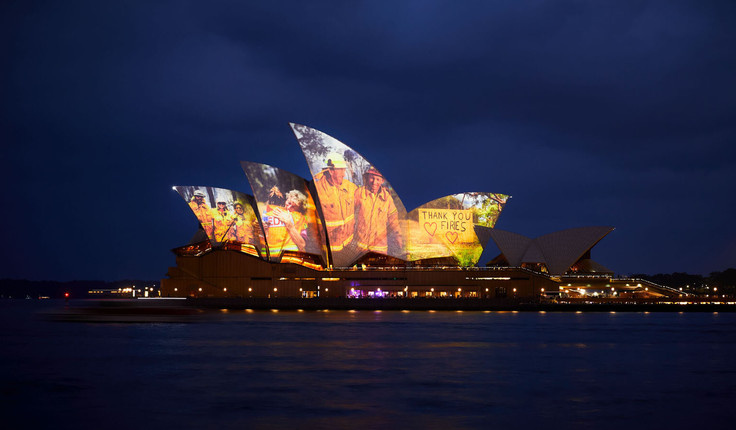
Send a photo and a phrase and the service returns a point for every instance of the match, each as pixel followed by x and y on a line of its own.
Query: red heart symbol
pixel 451 236
pixel 433 226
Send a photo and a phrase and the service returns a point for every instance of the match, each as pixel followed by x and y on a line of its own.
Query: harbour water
pixel 366 370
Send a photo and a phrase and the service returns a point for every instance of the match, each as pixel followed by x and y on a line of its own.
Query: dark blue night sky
pixel 587 113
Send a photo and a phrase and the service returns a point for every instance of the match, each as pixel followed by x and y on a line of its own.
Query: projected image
pixel 377 227
pixel 287 211
pixel 486 207
pixel 445 227
pixel 226 216
pixel 361 210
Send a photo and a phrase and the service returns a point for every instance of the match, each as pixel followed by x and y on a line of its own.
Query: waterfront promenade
pixel 462 304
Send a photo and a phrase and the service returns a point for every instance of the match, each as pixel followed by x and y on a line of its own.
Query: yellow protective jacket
pixel 241 231
pixel 202 212
pixel 277 235
pixel 338 209
pixel 222 222
pixel 376 218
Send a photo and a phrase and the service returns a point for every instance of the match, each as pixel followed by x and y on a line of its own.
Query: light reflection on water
pixel 361 369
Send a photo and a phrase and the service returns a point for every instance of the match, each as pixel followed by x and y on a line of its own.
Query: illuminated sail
pixel 446 226
pixel 362 212
pixel 227 217
pixel 287 211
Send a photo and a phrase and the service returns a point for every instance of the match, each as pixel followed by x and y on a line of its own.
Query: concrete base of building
pixel 228 274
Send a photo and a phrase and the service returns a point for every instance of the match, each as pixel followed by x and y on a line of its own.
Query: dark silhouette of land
pixel 23 288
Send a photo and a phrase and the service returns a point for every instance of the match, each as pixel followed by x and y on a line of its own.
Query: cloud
pixel 591 108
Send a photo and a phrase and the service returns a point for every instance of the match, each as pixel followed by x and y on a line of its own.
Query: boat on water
pixel 126 311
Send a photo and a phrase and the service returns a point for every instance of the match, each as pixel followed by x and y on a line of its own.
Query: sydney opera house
pixel 346 233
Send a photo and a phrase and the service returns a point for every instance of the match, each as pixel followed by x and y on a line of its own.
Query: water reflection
pixel 363 369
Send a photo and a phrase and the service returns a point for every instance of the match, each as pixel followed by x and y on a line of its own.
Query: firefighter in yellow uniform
pixel 337 196
pixel 376 217
pixel 222 220
pixel 242 230
pixel 287 226
pixel 202 211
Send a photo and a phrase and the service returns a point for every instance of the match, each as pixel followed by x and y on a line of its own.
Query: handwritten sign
pixel 449 225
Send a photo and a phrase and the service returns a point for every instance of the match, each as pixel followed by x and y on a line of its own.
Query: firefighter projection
pixel 288 213
pixel 445 227
pixel 348 216
pixel 227 217
pixel 362 213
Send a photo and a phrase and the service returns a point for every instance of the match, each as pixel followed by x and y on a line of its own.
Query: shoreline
pixel 418 304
